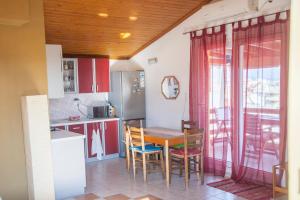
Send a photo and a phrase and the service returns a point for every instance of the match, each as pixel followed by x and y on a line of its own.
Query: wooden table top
pixel 159 136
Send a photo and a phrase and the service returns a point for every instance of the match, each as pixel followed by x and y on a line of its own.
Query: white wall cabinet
pixel 54 71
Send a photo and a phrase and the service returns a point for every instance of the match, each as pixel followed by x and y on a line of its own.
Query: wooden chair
pixel 193 148
pixel 134 123
pixel 187 125
pixel 281 168
pixel 138 147
pixel 184 125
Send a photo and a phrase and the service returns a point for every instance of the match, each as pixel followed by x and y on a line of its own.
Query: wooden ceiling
pixel 76 25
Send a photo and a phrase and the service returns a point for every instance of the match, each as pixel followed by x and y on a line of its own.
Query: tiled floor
pixel 107 178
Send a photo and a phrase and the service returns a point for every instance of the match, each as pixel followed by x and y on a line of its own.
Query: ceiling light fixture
pixel 133 18
pixel 125 35
pixel 104 15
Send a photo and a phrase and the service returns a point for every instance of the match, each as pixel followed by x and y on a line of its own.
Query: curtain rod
pixel 235 21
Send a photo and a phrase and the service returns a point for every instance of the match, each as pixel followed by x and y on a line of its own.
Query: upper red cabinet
pixel 93 75
pixel 85 75
pixel 102 74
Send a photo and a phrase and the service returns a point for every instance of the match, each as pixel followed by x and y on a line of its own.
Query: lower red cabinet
pixel 109 131
pixel 90 128
pixel 78 128
pixel 111 137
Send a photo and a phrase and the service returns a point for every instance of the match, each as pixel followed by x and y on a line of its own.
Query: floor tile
pixel 117 197
pixel 213 198
pixel 281 197
pixel 148 197
pixel 228 196
pixel 90 196
pixel 110 177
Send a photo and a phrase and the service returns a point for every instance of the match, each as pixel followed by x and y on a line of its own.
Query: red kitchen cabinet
pixel 78 128
pixel 111 137
pixel 90 128
pixel 85 75
pixel 93 75
pixel 102 74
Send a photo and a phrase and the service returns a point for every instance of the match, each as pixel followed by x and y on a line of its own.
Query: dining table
pixel 164 137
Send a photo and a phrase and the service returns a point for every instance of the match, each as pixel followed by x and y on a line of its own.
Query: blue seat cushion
pixel 146 144
pixel 148 148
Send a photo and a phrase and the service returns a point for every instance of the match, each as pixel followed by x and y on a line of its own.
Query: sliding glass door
pixel 238 94
pixel 260 56
pixel 219 107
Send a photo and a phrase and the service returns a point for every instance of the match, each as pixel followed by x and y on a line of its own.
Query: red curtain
pixel 259 88
pixel 209 97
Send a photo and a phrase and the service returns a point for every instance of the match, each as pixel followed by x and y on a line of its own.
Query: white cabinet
pixel 54 71
pixel 68 164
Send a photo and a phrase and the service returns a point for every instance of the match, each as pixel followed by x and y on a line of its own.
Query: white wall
pixel 173 51
pixel 294 105
pixel 37 143
pixel 123 65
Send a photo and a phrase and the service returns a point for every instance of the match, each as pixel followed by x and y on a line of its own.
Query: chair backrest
pixel 193 139
pixel 187 125
pixel 136 137
pixel 131 123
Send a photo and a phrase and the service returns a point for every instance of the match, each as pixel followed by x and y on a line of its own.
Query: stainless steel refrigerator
pixel 128 97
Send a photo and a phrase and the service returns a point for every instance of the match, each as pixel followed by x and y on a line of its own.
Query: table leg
pixel 167 163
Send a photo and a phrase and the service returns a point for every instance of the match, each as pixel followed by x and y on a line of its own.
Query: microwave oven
pixel 98 111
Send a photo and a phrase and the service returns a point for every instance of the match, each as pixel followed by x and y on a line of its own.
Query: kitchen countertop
pixel 66 122
pixel 65 135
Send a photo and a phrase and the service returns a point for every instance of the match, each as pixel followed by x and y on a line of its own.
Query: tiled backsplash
pixel 65 107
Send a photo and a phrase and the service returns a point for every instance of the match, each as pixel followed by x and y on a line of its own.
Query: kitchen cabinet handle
pixel 97 87
pixel 76 128
pixel 105 125
pixel 92 88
